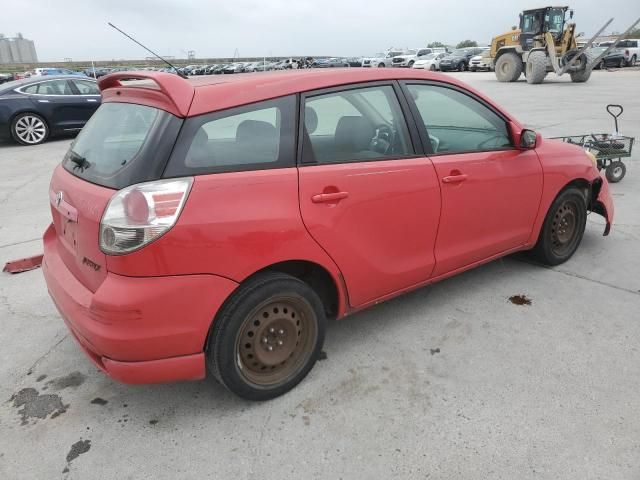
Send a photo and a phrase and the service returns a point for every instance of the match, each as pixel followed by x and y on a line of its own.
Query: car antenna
pixel 182 75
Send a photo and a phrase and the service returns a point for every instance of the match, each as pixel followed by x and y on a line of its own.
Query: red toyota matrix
pixel 217 223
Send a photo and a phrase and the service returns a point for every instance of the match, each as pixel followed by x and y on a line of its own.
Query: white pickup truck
pixel 382 60
pixel 407 60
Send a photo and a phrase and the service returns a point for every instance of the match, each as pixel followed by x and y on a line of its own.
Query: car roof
pixel 37 79
pixel 200 95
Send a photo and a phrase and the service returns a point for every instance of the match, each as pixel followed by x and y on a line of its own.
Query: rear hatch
pixel 122 144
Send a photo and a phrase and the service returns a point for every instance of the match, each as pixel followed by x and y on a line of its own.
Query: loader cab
pixel 538 21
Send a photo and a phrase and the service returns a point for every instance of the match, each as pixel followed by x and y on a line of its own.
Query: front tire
pixel 29 129
pixel 432 67
pixel 632 62
pixel 267 336
pixel 563 228
pixel 536 67
pixel 381 65
pixel 462 67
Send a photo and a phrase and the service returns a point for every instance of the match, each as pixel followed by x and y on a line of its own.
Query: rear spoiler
pixel 173 93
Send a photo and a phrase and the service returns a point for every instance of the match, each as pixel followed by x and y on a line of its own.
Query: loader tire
pixel 584 74
pixel 536 67
pixel 508 67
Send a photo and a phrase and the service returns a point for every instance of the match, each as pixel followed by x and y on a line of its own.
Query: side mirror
pixel 528 139
pixel 523 138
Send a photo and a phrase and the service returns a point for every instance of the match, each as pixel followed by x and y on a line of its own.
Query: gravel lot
pixel 450 381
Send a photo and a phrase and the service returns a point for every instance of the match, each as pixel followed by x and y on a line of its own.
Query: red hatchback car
pixel 219 222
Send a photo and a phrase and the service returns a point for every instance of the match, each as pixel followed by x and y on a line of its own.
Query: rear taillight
pixel 139 214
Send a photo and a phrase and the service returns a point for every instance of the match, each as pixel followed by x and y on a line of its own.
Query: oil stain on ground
pixel 520 300
pixel 77 449
pixel 74 379
pixel 35 406
pixel 99 401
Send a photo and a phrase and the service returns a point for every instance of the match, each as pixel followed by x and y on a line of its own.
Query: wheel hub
pixel 273 341
pixel 564 225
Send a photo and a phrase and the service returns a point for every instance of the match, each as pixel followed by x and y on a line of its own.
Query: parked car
pixel 96 73
pixel 430 62
pixel 237 67
pixel 33 109
pixel 482 61
pixel 381 60
pixel 631 50
pixel 406 60
pixel 459 59
pixel 331 63
pixel 6 77
pixel 190 234
pixel 354 61
pixel 615 58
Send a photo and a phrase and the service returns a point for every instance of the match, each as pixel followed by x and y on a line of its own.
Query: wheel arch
pixel 331 290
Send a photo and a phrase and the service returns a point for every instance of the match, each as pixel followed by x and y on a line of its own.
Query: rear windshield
pixel 123 144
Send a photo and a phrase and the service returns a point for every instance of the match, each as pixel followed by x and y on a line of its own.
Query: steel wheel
pixel 267 336
pixel 29 129
pixel 564 228
pixel 276 340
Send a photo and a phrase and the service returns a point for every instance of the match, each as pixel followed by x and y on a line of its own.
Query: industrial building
pixel 17 50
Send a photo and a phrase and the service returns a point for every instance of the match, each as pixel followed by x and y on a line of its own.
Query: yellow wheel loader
pixel 545 42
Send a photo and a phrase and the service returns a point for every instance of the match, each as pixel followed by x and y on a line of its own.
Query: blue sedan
pixel 33 109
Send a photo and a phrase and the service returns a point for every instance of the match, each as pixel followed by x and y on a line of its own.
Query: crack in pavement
pixel 42 357
pixel 21 242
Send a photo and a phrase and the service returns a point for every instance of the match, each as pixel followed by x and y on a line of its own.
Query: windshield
pixel 459 52
pixel 122 144
pixel 554 20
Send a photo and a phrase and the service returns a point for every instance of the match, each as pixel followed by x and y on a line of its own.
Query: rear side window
pixel 52 87
pixel 252 137
pixel 122 144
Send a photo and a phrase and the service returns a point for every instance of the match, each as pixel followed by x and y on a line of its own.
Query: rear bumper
pixel 138 329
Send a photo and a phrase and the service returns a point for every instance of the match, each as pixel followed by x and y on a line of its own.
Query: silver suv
pixel 412 56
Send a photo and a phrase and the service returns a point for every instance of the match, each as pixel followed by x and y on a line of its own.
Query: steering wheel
pixel 493 137
pixel 383 140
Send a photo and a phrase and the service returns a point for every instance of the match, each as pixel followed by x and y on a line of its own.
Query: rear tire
pixel 432 67
pixel 508 67
pixel 29 129
pixel 632 62
pixel 562 229
pixel 615 171
pixel 267 336
pixel 536 67
pixel 462 67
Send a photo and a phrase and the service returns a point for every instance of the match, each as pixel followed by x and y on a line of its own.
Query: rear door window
pixel 253 137
pixel 51 87
pixel 355 125
pixel 87 87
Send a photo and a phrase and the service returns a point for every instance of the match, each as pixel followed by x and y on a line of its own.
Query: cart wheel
pixel 615 171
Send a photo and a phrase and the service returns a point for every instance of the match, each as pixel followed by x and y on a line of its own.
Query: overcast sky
pixel 78 29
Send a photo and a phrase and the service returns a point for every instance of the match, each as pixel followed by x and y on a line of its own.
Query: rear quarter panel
pixel 232 225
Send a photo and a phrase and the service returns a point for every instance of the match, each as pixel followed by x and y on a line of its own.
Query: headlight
pixel 592 157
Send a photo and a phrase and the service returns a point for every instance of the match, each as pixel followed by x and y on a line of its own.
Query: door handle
pixel 329 197
pixel 454 178
pixel 91 100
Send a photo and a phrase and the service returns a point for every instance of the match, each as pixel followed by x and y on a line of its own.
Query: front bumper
pixel 138 329
pixel 603 204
